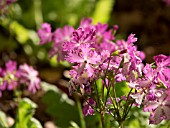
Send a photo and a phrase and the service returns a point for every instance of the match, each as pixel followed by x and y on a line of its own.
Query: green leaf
pixel 24 119
pixel 121 88
pixel 60 106
pixel 93 121
pixel 3 120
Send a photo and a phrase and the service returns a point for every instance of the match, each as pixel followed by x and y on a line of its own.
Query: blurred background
pixel 19 22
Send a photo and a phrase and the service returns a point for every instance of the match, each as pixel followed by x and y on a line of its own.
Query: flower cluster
pixel 11 77
pixel 96 55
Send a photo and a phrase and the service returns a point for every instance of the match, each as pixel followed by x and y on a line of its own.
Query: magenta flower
pixel 138 98
pixel 85 58
pixel 150 75
pixel 45 34
pixel 63 34
pixel 131 39
pixel 59 38
pixel 29 76
pixel 163 69
pixel 86 22
pixel 104 38
pixel 10 75
pixel 160 109
pixel 87 109
pixel 80 36
pixel 103 33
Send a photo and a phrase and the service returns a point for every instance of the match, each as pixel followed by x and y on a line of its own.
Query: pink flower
pixel 85 58
pixel 45 34
pixel 104 38
pixel 63 34
pixel 11 75
pixel 80 36
pixel 162 69
pixel 149 76
pixel 86 22
pixel 160 109
pixel 131 39
pixel 138 97
pixel 87 109
pixel 29 76
pixel 59 38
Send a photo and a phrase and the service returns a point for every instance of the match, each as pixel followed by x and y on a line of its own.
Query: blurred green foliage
pixel 19 40
pixel 24 119
pixel 3 120
pixel 19 24
pixel 60 106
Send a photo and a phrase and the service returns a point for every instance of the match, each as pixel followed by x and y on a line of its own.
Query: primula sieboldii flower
pixel 150 75
pixel 80 36
pixel 29 76
pixel 45 34
pixel 163 69
pixel 85 58
pixel 131 39
pixel 86 22
pixel 59 37
pixel 138 98
pixel 160 108
pixel 10 75
pixel 104 38
pixel 87 109
pixel 62 34
pixel 101 32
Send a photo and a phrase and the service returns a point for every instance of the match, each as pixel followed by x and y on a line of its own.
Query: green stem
pixel 100 106
pixel 102 119
pixel 127 104
pixel 82 121
pixel 97 95
pixel 108 90
pixel 120 124
pixel 114 94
